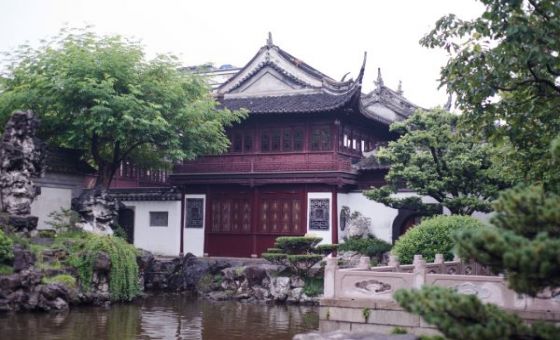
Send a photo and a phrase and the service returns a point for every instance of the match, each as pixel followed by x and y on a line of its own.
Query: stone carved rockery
pixel 356 224
pixel 98 211
pixel 22 158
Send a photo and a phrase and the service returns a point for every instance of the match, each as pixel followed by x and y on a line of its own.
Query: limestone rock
pixel 358 226
pixel 280 288
pixel 98 211
pixel 22 157
pixel 255 275
pixel 296 282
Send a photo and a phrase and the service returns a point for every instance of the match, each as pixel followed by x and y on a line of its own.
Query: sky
pixel 328 35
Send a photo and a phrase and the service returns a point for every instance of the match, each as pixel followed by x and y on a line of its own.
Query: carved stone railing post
pixel 329 280
pixel 439 259
pixel 364 262
pixel 419 271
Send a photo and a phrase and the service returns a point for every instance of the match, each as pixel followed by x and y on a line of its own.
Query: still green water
pixel 164 317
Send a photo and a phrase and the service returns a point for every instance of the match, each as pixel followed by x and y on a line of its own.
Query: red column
pixel 334 216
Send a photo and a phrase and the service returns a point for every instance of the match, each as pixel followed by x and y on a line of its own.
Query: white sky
pixel 328 35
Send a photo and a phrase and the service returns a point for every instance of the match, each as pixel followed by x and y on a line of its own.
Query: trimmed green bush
pixel 433 236
pixel 370 246
pixel 302 263
pixel 298 253
pixel 275 258
pixel 325 249
pixel 6 251
pixel 274 250
pixel 296 244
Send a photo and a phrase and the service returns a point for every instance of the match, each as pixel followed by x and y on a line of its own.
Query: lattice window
pixel 287 140
pixel 299 139
pixel 248 142
pixel 321 138
pixel 265 141
pixel 319 214
pixel 275 140
pixel 195 213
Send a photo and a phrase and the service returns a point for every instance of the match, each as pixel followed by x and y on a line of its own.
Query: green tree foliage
pixel 100 94
pixel 433 236
pixel 464 317
pixel 434 158
pixel 503 68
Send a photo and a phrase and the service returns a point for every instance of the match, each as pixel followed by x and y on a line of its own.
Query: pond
pixel 170 316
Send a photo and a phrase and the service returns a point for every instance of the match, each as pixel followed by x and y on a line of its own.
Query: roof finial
pixel 399 89
pixel 269 40
pixel 379 81
pixel 447 105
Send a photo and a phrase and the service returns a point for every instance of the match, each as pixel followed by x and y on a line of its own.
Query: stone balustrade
pixel 347 292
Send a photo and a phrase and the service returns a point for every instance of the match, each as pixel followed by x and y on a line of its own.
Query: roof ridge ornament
pixel 379 81
pixel 399 89
pixel 362 70
pixel 269 43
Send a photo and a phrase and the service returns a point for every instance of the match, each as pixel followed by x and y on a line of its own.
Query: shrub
pixel 275 258
pixel 302 263
pixel 65 279
pixel 432 236
pixel 123 282
pixel 297 244
pixel 370 246
pixel 325 249
pixel 6 251
pixel 298 253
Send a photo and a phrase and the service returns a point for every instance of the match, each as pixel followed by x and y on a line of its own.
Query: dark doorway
pixel 126 221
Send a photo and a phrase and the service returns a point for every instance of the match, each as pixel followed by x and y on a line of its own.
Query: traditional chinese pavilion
pixel 293 163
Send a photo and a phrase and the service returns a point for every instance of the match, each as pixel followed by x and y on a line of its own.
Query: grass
pixel 6 270
pixel 65 279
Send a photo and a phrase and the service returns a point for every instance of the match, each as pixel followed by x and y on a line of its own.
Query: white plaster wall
pixel 382 217
pixel 158 240
pixel 325 234
pixel 193 241
pixel 50 200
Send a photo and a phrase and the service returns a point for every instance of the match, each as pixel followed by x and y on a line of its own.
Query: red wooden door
pixel 243 223
pixel 280 213
pixel 228 231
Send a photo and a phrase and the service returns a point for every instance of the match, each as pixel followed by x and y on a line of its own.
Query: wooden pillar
pixel 254 219
pixel 334 232
pixel 182 235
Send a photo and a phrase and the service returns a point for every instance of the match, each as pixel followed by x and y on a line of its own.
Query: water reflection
pixel 164 317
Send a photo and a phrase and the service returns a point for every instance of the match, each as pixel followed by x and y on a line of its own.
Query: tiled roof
pixel 311 102
pixel 146 194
